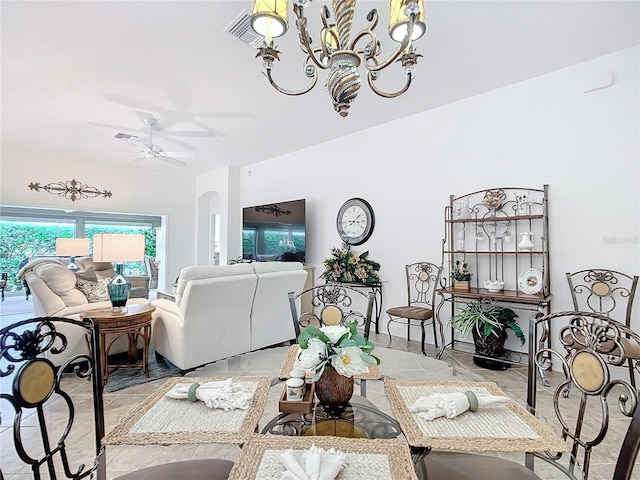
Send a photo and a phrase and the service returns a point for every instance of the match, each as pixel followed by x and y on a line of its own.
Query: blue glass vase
pixel 119 289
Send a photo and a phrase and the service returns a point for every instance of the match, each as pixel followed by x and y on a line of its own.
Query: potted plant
pixel 488 327
pixel 461 276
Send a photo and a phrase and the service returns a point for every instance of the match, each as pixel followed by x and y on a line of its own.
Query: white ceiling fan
pixel 148 149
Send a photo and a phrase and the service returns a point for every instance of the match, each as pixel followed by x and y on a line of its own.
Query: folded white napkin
pixel 450 405
pixel 317 464
pixel 222 394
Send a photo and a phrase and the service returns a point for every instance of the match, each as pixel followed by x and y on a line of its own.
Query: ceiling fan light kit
pixel 338 52
pixel 148 149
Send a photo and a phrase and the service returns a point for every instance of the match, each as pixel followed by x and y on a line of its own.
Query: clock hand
pixel 354 220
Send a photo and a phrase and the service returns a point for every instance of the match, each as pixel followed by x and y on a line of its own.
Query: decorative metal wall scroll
pixel 71 189
pixel 272 209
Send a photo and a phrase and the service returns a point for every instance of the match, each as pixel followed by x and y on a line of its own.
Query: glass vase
pixel 119 289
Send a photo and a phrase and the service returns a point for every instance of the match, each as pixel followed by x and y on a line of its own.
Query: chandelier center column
pixel 344 11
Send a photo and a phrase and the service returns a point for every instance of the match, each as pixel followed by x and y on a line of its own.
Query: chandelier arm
pixel 377 91
pixel 406 41
pixel 291 92
pixel 324 16
pixel 372 17
pixel 303 36
pixel 323 45
pixel 373 41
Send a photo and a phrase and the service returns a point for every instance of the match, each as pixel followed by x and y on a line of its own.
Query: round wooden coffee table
pixel 135 322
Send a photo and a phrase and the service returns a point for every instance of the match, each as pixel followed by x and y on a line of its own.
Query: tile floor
pixel 121 459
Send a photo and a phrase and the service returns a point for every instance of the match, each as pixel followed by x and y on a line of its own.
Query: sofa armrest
pixel 167 306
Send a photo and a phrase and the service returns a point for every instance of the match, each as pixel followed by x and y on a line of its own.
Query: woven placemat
pixel 290 363
pixel 365 459
pixel 493 428
pixel 164 421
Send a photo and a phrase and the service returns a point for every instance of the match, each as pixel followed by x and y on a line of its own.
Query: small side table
pixel 136 321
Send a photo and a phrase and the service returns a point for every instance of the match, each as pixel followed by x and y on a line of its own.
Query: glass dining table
pixel 376 416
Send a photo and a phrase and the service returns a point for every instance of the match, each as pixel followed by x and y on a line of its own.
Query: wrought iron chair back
pixel 608 292
pixel 333 304
pixel 593 344
pixel 603 291
pixel 36 382
pixel 422 282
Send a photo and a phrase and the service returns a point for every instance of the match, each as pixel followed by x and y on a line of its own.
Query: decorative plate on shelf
pixel 530 281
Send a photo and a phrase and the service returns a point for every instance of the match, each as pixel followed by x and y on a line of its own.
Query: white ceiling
pixel 67 66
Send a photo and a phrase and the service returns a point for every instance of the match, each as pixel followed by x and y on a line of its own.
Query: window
pixel 31 232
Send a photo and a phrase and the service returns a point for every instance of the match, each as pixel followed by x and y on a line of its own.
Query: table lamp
pixel 72 247
pixel 118 248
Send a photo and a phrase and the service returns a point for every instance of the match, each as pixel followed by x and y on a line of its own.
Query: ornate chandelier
pixel 338 52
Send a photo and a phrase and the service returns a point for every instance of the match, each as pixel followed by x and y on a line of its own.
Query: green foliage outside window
pixel 20 240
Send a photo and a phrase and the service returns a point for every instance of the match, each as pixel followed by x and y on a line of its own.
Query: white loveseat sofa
pixel 225 310
pixel 54 293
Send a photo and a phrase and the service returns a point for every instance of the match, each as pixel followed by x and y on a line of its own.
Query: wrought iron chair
pixel 595 343
pixel 422 282
pixel 59 447
pixel 333 304
pixel 607 292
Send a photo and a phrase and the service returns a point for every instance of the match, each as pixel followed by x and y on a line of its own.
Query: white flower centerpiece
pixel 335 353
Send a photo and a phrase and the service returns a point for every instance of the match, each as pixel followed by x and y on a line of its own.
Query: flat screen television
pixel 274 232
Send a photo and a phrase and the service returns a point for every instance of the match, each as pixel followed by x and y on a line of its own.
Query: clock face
pixel 355 221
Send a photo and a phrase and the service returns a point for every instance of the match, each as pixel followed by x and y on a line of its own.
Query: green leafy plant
pixel 486 322
pixel 347 266
pixel 341 347
pixel 460 271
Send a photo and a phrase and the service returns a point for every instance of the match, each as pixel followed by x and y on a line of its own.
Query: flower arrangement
pixel 338 346
pixel 460 271
pixel 346 266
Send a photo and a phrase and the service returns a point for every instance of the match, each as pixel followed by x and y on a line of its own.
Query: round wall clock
pixel 355 221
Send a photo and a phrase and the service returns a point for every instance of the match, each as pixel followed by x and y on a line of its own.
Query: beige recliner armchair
pixel 54 292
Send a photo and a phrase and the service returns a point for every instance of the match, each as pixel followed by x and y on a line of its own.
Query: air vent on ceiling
pixel 124 136
pixel 240 28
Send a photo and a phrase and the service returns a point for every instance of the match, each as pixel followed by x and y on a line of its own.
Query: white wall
pixel 545 130
pixel 225 183
pixel 135 190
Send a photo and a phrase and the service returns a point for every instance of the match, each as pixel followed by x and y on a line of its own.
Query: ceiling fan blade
pixel 133 103
pixel 180 143
pixel 138 159
pixel 114 127
pixel 178 154
pixel 223 114
pixel 186 133
pixel 172 161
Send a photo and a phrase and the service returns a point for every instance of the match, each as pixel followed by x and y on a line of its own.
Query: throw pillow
pixel 94 291
pixel 88 274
